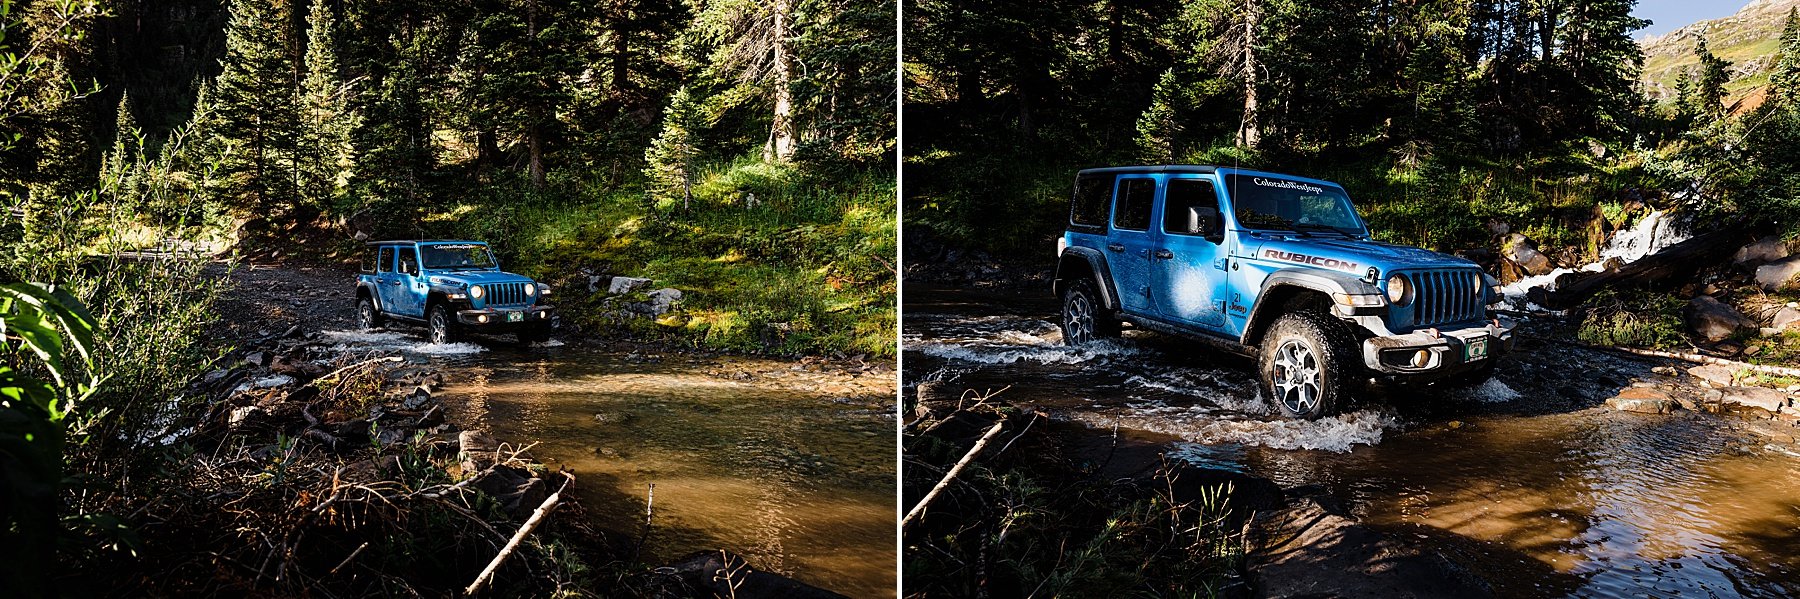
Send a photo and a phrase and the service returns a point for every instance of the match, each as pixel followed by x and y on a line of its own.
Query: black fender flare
pixel 1327 282
pixel 1095 264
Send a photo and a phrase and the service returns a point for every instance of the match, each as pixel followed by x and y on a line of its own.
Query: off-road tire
pixel 533 334
pixel 1309 366
pixel 439 326
pixel 367 317
pixel 1084 318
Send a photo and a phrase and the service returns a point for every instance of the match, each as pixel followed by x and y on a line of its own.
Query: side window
pixel 386 260
pixel 1133 204
pixel 409 261
pixel 368 260
pixel 1089 206
pixel 1184 194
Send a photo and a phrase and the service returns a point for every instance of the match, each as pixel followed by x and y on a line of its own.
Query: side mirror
pixel 1202 221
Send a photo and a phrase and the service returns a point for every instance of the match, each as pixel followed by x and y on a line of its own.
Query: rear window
pixel 1089 206
pixel 1135 198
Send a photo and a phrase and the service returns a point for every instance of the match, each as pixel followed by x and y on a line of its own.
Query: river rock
pixel 1785 318
pixel 1714 375
pixel 1755 397
pixel 1778 275
pixel 660 303
pixel 1763 251
pixel 1642 400
pixel 722 574
pixel 621 285
pixel 1519 250
pixel 1713 320
pixel 473 442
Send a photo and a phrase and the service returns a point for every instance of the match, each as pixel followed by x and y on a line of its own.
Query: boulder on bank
pixel 1778 275
pixel 1713 320
pixel 623 285
pixel 1755 397
pixel 1520 250
pixel 1309 550
pixel 1642 400
pixel 1763 251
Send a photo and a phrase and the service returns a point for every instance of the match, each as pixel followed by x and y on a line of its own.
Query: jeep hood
pixel 1347 255
pixel 479 277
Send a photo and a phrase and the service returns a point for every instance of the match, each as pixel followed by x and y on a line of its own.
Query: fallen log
pixel 919 510
pixel 1676 260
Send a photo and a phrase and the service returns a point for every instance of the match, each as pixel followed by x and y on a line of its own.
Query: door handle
pixel 1117 247
pixel 1165 254
pixel 393 282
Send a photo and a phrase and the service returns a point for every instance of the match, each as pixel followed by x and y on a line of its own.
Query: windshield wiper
pixel 1319 227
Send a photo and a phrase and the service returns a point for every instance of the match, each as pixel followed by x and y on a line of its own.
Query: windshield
pixel 458 255
pixel 1264 202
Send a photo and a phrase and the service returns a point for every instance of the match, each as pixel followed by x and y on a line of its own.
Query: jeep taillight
pixel 1062 245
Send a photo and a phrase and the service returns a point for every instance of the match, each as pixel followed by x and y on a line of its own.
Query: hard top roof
pixel 419 241
pixel 1205 169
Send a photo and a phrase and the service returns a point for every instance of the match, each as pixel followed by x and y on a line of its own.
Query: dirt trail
pixel 267 300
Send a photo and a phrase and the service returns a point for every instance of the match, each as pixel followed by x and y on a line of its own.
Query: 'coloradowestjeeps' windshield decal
pixel 1285 184
pixel 1298 258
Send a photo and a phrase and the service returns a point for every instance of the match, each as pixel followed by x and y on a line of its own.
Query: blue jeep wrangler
pixel 450 287
pixel 1275 267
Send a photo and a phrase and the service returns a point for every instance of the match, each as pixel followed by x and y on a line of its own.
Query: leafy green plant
pixel 1633 318
pixel 39 328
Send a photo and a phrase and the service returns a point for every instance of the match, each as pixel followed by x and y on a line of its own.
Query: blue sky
pixel 1670 15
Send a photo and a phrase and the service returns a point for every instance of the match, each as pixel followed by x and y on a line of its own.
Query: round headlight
pixel 530 289
pixel 1475 283
pixel 1396 290
pixel 476 292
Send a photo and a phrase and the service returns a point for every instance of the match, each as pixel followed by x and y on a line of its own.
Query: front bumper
pixel 1448 351
pixel 500 319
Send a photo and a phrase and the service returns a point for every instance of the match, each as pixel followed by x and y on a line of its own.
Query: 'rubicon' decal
pixel 1331 263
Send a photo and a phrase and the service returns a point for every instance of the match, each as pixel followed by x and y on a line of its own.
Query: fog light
pixel 481 319
pixel 542 315
pixel 1421 358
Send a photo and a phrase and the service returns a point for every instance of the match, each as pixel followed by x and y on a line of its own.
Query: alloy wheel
pixel 1297 375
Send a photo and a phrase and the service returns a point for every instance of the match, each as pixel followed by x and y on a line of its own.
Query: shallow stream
pixel 1528 480
pixel 790 464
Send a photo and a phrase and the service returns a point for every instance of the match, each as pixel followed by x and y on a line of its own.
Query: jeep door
pixel 1129 242
pixel 411 300
pixel 1189 260
pixel 389 288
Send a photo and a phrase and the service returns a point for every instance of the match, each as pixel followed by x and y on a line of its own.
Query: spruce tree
pixel 752 45
pixel 255 105
pixel 326 155
pixel 669 161
pixel 1709 87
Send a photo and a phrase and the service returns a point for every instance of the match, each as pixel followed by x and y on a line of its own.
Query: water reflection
pixel 794 469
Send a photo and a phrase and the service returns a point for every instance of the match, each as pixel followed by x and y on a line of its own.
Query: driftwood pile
pixel 310 470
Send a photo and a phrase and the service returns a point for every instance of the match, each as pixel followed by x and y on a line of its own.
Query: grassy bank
pixel 769 257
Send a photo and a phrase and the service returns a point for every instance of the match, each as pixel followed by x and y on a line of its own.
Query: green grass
pixel 803 268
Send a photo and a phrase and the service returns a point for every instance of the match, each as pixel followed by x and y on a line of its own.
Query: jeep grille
pixel 1446 296
pixel 506 294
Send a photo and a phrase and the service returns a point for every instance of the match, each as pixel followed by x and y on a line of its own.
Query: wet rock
pixel 1713 320
pixel 1714 374
pixel 722 574
pixel 476 442
pixel 1308 550
pixel 1520 250
pixel 1761 251
pixel 1755 397
pixel 1779 274
pixel 1642 400
pixel 1665 370
pixel 623 285
pixel 515 488
pixel 611 417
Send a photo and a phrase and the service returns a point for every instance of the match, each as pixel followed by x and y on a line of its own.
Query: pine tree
pixel 326 155
pixel 847 98
pixel 254 100
pixel 1709 87
pixel 669 161
pixel 752 42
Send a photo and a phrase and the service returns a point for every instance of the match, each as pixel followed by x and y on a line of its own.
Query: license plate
pixel 515 316
pixel 1475 349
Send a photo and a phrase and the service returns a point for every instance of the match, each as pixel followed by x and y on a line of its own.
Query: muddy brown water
pixel 789 465
pixel 1528 481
